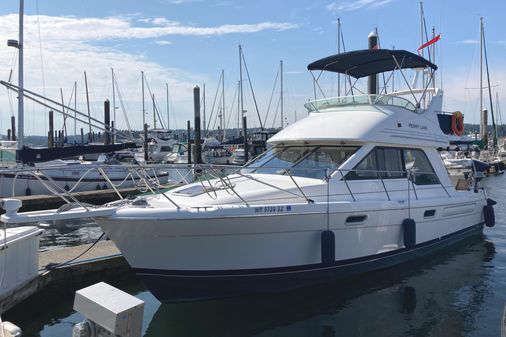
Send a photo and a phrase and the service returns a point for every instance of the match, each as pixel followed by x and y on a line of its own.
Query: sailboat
pixel 489 154
pixel 53 175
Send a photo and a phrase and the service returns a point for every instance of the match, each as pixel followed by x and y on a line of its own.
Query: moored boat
pixel 356 186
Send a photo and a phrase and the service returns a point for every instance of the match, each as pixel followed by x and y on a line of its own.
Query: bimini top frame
pixel 367 62
pixel 362 63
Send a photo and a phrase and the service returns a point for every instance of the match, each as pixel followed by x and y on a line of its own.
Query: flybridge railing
pixel 337 102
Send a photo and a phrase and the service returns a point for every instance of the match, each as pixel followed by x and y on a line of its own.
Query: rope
pixel 54 265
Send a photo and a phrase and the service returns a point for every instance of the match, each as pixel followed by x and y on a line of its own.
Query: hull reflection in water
pixel 442 298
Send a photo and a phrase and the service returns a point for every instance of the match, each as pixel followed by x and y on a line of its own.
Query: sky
pixel 184 43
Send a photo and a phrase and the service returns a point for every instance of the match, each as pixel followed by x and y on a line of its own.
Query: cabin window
pixel 418 164
pixel 179 148
pixel 394 163
pixel 380 162
pixel 300 161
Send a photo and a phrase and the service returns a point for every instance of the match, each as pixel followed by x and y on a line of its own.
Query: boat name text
pixel 417 126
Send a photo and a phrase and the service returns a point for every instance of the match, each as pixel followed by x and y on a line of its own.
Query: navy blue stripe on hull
pixel 181 286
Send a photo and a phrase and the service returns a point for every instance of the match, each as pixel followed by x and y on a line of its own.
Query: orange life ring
pixel 458 123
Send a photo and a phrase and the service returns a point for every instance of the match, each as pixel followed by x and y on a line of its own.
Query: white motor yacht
pixel 356 186
pixel 160 144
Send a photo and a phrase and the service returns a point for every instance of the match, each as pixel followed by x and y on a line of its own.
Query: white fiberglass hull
pixel 190 255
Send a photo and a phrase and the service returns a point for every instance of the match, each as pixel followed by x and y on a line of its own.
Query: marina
pixel 368 207
pixel 456 293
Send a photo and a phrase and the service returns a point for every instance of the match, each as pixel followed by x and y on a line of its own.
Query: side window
pixel 422 171
pixel 390 163
pixel 380 162
pixel 366 169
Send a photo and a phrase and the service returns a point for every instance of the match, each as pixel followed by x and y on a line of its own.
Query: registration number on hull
pixel 273 209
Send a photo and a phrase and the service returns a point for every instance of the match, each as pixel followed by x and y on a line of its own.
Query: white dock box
pixel 116 311
pixel 19 256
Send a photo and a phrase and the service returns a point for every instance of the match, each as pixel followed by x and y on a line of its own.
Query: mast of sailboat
pixel 339 52
pixel 64 115
pixel 243 118
pixel 21 112
pixel 143 106
pixel 434 59
pixel 241 97
pixel 422 41
pixel 238 110
pixel 88 107
pixel 494 130
pixel 281 93
pixel 204 108
pixel 222 118
pixel 154 111
pixel 168 115
pixel 499 115
pixel 75 108
pixel 113 107
pixel 482 122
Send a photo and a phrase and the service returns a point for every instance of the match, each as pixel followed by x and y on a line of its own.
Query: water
pixel 461 293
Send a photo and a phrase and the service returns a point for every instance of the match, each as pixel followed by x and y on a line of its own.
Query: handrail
pixel 149 177
pixel 310 201
pixel 367 99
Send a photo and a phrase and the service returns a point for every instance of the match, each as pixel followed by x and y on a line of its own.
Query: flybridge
pixel 371 62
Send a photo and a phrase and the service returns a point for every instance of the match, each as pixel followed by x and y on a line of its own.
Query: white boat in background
pixel 239 157
pixel 160 144
pixel 116 170
pixel 7 152
pixel 179 154
pixel 213 153
pixel 356 186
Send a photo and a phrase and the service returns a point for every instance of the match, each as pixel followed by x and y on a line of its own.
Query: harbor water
pixel 459 293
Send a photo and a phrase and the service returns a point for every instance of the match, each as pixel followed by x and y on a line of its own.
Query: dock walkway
pixel 101 260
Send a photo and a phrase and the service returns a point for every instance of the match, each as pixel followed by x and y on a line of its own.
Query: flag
pixel 428 43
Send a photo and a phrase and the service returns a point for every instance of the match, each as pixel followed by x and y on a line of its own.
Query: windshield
pixel 179 148
pixel 164 135
pixel 301 161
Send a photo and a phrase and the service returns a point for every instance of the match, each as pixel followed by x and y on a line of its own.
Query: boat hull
pixel 183 286
pixel 192 254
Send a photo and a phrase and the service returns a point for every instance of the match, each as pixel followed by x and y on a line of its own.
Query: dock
pixel 98 197
pixel 100 261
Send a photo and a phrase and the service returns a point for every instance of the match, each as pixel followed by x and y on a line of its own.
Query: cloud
pixel 71 45
pixel 469 41
pixel 318 30
pixel 163 42
pixel 499 42
pixel 335 7
pixel 159 21
pixel 99 29
pixel 181 2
